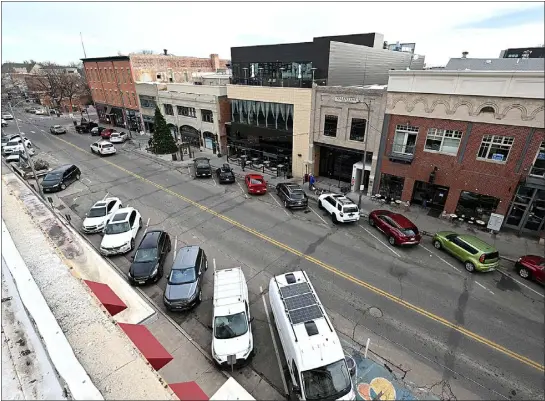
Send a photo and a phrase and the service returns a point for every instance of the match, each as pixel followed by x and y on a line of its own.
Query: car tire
pixel 199 300
pixel 470 267
pixel 371 222
pixel 334 218
pixel 63 186
pixel 437 244
pixel 132 244
pixel 524 273
pixel 140 223
pixel 391 240
pixel 320 205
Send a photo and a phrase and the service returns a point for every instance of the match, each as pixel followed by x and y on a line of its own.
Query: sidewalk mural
pixel 374 382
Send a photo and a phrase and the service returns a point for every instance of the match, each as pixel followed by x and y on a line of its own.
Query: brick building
pixel 467 142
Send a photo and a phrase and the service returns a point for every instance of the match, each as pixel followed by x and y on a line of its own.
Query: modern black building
pixel 524 52
pixel 292 64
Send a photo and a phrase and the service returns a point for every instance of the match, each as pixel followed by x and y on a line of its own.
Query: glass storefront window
pixel 538 168
pixel 391 185
pixel 298 73
pixel 276 116
pixel 524 195
pixel 476 205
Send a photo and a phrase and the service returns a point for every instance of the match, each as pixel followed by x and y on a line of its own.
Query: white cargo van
pixel 313 351
pixel 232 337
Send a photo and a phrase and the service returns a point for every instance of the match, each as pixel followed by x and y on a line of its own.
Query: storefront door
pixel 527 212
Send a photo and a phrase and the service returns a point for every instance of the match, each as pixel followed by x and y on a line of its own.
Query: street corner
pixel 373 381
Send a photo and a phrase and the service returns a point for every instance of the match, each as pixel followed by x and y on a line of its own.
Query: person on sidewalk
pixel 311 181
pixel 243 163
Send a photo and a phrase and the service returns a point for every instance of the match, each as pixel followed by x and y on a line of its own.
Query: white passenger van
pixel 232 337
pixel 313 351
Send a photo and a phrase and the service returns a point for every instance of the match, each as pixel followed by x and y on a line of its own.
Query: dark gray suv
pixel 292 195
pixel 184 285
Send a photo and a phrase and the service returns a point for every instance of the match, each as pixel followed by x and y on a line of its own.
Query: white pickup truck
pixel 341 209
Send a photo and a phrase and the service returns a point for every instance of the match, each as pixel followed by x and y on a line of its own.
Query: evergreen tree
pixel 162 141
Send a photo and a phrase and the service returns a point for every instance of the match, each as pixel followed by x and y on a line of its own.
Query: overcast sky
pixel 50 31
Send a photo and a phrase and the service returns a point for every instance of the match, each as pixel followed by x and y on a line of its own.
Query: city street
pixel 481 334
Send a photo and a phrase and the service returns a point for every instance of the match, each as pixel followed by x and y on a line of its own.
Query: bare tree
pixel 50 80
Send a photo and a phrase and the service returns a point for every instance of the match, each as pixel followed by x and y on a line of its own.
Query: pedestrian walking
pixel 311 181
pixel 243 164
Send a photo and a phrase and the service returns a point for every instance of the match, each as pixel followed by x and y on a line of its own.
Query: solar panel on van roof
pixel 300 303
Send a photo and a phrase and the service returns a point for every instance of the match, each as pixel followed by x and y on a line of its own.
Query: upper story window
pixel 443 141
pixel 495 147
pixel 168 109
pixel 405 139
pixel 134 99
pixel 330 125
pixel 186 111
pixel 539 164
pixel 207 116
pixel 357 129
pixel 147 102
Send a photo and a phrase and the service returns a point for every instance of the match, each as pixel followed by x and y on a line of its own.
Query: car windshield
pixel 327 382
pixel 145 255
pixel 202 164
pixel 114 134
pixel 182 276
pixel 53 177
pixel 350 209
pixel 13 143
pixel 97 212
pixel 57 126
pixel 297 195
pixel 230 326
pixel 107 145
pixel 117 228
pixel 256 181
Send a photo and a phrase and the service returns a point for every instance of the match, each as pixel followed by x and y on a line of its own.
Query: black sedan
pixel 225 174
pixel 149 259
pixel 60 177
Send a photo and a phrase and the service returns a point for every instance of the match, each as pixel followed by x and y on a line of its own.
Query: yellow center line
pixel 333 269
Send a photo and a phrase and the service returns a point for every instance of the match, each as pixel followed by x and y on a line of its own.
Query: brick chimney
pixel 215 61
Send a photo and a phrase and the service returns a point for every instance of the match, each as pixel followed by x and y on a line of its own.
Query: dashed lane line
pixel 332 269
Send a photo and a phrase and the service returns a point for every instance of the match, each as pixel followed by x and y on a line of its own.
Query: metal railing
pixel 277 82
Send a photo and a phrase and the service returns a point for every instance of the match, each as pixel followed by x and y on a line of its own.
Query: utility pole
pixel 30 162
pixel 122 101
pixel 363 160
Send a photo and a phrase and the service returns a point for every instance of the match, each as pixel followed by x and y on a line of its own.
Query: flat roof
pixel 108 58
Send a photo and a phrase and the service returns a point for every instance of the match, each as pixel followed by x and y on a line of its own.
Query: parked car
pixel 149 259
pixel 85 127
pixel 120 232
pixel 5 140
pixel 398 229
pixel 225 174
pixel 292 195
pixel 103 148
pixel 16 148
pixel 40 112
pixel 106 133
pixel 472 251
pixel 531 267
pixel 57 129
pixel 15 138
pixel 256 184
pixel 341 209
pixel 184 285
pixel 96 131
pixel 7 116
pixel 99 215
pixel 15 157
pixel 119 137
pixel 60 177
pixel 4 123
pixel 202 167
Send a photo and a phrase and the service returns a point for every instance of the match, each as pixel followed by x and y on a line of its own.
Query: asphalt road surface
pixel 481 334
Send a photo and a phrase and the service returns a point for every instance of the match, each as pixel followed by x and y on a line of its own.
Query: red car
pixel 256 184
pixel 531 267
pixel 105 134
pixel 399 229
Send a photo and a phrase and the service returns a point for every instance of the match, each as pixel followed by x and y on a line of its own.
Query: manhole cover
pixel 375 312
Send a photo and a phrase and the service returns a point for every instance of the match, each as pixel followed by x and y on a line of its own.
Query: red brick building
pixel 112 88
pixel 466 147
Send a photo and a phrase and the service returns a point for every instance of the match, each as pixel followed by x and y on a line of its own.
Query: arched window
pixel 487 109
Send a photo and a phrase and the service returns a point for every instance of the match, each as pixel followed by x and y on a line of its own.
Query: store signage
pixel 346 99
pixel 495 222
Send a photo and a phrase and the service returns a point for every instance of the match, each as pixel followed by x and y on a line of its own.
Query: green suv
pixel 475 253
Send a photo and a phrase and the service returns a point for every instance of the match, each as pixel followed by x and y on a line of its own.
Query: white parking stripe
pixel 483 287
pixel 274 341
pixel 521 283
pixel 214 182
pixel 375 237
pixel 32 132
pixel 278 203
pixel 320 217
pixel 242 190
pixel 451 265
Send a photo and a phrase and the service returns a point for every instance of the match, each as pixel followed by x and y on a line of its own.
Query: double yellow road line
pixel 332 269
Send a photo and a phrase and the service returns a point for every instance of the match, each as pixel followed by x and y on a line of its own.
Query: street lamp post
pixel 30 162
pixel 364 158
